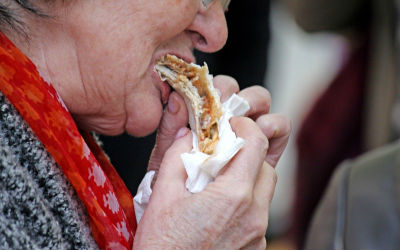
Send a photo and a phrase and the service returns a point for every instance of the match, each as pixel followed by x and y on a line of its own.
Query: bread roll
pixel 203 103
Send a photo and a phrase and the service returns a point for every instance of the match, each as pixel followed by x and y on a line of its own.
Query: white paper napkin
pixel 142 197
pixel 202 168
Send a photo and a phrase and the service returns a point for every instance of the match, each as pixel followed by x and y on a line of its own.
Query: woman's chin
pixel 143 124
pixel 140 131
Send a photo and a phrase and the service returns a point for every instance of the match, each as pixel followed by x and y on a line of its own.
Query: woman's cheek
pixel 179 16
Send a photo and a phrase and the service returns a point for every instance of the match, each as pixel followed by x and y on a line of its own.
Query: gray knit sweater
pixel 39 209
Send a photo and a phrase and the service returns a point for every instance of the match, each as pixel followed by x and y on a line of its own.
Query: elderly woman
pixel 67 67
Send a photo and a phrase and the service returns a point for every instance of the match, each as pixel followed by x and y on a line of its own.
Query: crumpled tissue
pixel 202 168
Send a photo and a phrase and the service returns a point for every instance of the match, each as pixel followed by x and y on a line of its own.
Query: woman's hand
pixel 232 212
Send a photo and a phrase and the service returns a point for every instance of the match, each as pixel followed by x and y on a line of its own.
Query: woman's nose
pixel 208 30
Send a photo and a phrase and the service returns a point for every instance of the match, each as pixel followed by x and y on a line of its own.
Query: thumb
pixel 175 117
pixel 172 175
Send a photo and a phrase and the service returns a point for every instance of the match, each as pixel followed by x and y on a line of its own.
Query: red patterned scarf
pixel 98 185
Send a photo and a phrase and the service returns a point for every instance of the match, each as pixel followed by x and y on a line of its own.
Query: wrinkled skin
pixel 100 55
pixel 232 212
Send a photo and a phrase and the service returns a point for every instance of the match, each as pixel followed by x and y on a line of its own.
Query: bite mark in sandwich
pixel 195 85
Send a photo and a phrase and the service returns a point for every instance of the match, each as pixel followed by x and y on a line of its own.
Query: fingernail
pixel 182 132
pixel 173 105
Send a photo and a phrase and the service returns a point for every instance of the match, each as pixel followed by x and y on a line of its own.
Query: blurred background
pixel 321 60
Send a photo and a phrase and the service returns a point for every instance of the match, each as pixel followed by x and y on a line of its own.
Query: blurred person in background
pixel 357 112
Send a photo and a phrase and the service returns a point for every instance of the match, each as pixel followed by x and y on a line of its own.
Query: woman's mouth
pixel 165 88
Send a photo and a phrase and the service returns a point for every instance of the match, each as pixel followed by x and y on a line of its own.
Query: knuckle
pixel 271 173
pixel 241 119
pixel 260 141
pixel 286 121
pixel 259 99
pixel 272 179
pixel 263 91
pixel 241 124
pixel 250 131
pixel 257 243
pixel 226 82
pixel 232 82
pixel 262 243
pixel 265 95
pixel 286 124
pixel 274 176
pixel 240 197
pixel 155 159
pixel 166 131
pixel 259 228
pixel 154 163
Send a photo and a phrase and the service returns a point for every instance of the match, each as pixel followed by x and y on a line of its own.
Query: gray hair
pixel 9 17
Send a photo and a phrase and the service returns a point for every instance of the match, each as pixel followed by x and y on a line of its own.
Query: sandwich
pixel 194 84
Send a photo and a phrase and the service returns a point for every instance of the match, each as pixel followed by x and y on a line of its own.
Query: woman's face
pixel 100 54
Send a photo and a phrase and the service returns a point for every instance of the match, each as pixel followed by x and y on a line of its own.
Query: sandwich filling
pixel 195 84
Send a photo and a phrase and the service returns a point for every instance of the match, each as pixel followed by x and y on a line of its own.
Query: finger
pixel 265 187
pixel 245 166
pixel 175 117
pixel 172 174
pixel 226 85
pixel 259 100
pixel 277 129
pixel 263 193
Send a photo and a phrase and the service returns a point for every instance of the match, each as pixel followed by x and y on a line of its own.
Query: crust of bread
pixel 194 83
